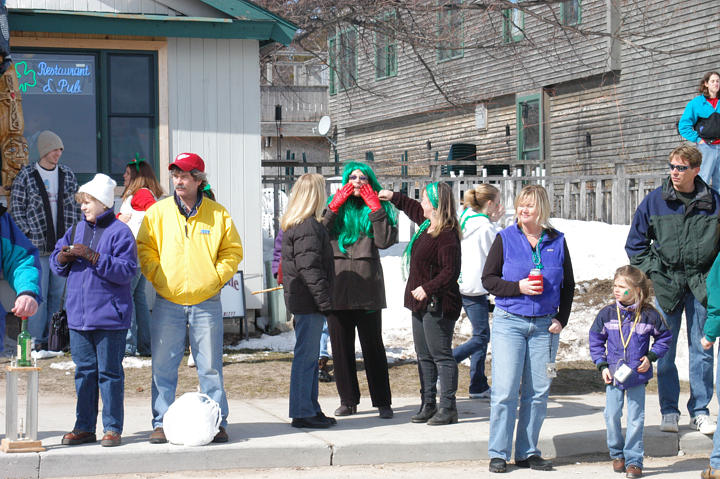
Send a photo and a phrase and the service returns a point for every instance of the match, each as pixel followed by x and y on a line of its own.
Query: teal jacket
pixel 712 324
pixel 20 263
pixel 673 245
pixel 697 108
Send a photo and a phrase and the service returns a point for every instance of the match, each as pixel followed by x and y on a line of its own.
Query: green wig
pixel 352 218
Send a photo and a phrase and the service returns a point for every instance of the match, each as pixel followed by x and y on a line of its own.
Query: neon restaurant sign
pixel 39 76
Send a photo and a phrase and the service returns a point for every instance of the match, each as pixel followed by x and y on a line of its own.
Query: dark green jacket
pixel 673 245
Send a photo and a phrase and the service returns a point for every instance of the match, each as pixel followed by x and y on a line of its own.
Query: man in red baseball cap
pixel 188 248
pixel 188 162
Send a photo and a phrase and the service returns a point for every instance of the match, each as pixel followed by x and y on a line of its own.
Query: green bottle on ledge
pixel 24 346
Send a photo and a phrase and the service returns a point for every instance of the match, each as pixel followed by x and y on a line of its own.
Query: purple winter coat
pixel 606 348
pixel 99 297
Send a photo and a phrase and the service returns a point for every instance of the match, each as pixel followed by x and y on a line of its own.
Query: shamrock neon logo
pixel 26 76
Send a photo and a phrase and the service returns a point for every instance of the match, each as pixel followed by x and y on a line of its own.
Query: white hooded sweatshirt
pixel 478 235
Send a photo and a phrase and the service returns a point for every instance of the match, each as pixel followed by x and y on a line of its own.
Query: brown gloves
pixel 79 251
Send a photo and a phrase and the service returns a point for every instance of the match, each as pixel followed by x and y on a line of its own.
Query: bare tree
pixel 420 28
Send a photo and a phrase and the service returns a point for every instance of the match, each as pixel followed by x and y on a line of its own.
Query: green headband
pixel 136 162
pixel 431 191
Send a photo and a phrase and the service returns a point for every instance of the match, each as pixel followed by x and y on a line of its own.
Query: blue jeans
pixel 700 361
pixel 476 308
pixel 304 372
pixel 138 337
pixel 521 349
pixel 710 166
pixel 324 337
pixel 98 359
pixel 51 286
pixel 631 447
pixel 167 334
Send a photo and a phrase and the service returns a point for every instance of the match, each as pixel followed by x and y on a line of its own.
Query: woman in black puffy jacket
pixel 308 272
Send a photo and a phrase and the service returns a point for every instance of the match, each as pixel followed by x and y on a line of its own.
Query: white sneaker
pixel 703 423
pixel 669 422
pixel 483 395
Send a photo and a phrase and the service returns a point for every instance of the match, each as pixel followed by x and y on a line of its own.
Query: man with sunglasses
pixel 674 239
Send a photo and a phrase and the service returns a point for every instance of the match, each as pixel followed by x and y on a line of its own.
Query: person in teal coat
pixel 700 123
pixel 711 331
pixel 20 264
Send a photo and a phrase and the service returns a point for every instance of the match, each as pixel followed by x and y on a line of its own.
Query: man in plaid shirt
pixel 42 203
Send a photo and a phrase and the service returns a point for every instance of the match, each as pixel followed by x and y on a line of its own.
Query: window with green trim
pixel 529 128
pixel 513 24
pixel 570 12
pixel 343 60
pixel 385 49
pixel 450 30
pixel 103 105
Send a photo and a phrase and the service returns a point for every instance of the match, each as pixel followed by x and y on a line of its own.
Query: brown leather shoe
pixel 158 436
pixel 633 472
pixel 74 438
pixel 619 464
pixel 221 436
pixel 111 439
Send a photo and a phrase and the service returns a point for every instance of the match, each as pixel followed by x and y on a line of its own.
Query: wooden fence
pixel 610 198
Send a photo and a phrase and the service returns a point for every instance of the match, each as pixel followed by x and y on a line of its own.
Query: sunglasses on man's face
pixel 355 177
pixel 680 168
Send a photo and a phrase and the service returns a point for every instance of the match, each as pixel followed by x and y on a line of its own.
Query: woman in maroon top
pixel 433 295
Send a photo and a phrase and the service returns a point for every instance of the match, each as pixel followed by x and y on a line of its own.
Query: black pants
pixel 342 325
pixel 433 345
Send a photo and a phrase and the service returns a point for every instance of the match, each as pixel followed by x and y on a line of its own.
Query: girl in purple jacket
pixel 620 347
pixel 99 258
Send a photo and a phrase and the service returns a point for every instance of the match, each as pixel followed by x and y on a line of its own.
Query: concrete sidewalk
pixel 261 436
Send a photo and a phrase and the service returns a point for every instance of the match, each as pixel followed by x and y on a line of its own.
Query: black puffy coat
pixel 308 270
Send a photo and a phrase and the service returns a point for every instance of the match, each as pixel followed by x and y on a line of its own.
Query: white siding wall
pixel 116 6
pixel 214 111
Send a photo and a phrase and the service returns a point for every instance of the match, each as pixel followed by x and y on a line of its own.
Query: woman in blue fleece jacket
pixel 99 258
pixel 695 123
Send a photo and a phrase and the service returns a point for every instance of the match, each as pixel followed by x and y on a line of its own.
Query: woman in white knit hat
pixel 99 258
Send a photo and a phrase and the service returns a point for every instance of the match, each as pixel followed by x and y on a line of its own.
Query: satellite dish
pixel 324 125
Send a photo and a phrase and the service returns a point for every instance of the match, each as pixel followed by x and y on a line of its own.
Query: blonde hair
pixel 537 195
pixel 307 199
pixel 478 197
pixel 81 196
pixel 638 283
pixel 445 213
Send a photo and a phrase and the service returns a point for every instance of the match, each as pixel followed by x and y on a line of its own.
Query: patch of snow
pixel 63 366
pixel 282 342
pixel 42 354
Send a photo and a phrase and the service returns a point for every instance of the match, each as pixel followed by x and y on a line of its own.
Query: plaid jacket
pixel 30 208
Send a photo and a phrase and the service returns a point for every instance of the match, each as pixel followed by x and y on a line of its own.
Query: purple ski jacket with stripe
pixel 606 348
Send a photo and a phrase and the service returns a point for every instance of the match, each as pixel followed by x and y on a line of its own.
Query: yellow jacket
pixel 188 260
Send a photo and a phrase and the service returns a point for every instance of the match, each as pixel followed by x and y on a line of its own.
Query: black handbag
pixel 59 331
pixel 59 334
pixel 708 128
